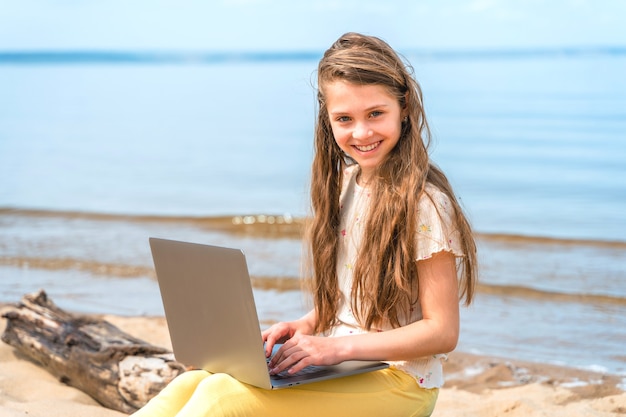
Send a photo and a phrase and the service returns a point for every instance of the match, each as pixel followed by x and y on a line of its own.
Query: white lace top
pixel 436 233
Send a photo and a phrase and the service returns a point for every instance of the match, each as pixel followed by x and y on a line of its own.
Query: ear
pixel 405 109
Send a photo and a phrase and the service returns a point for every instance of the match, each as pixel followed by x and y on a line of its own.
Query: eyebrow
pixel 377 106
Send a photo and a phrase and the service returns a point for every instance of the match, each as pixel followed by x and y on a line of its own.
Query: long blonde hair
pixel 386 279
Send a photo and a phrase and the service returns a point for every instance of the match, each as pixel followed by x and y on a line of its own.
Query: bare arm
pixel 437 332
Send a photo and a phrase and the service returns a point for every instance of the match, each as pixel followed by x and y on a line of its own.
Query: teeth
pixel 368 147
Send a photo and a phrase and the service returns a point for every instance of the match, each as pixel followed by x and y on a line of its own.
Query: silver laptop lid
pixel 210 309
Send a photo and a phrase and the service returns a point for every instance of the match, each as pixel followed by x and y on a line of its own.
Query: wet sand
pixel 476 385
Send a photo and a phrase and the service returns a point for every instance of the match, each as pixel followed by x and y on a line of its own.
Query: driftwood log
pixel 119 371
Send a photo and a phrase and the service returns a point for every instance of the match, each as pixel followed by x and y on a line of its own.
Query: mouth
pixel 368 148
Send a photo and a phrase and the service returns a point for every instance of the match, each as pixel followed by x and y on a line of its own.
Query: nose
pixel 362 131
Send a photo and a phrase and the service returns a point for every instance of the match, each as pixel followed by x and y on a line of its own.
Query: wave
pixel 292 283
pixel 277 226
pixel 266 225
pixel 34 57
pixel 93 267
pixel 104 269
pixel 504 238
pixel 549 296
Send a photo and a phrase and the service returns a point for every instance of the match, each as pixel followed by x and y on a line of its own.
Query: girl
pixel 391 255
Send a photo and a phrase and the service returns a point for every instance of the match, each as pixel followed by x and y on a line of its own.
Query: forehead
pixel 346 96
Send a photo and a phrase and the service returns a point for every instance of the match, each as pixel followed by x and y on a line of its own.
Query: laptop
pixel 212 318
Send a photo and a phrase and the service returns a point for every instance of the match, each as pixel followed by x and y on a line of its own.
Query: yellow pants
pixel 388 392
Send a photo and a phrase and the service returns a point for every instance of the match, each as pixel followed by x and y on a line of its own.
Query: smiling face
pixel 366 122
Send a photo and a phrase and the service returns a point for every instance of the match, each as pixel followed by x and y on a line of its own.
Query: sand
pixel 477 386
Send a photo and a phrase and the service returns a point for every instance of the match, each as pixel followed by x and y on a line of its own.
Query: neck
pixel 363 178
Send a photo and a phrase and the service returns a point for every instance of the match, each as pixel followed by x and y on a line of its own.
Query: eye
pixel 343 119
pixel 376 113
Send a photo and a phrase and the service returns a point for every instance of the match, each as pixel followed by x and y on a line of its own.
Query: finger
pixel 271 336
pixel 276 357
pixel 270 342
pixel 289 362
pixel 300 365
pixel 283 353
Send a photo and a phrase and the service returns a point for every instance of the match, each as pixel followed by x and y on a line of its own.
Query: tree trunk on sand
pixel 119 371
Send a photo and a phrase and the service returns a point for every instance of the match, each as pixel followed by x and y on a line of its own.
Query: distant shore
pixel 476 385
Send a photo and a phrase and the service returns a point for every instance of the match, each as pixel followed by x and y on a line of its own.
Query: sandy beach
pixel 476 385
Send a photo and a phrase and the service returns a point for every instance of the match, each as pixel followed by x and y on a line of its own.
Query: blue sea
pixel 99 151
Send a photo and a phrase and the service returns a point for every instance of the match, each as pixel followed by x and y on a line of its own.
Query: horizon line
pixel 121 56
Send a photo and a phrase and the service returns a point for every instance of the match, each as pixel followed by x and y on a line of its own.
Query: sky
pixel 205 25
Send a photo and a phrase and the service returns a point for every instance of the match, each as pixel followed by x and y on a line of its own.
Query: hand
pixel 281 332
pixel 302 350
pixel 278 333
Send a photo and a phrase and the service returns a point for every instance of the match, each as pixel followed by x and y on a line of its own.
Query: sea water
pixel 98 154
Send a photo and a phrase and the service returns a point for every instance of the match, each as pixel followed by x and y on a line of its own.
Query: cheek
pixel 397 130
pixel 339 135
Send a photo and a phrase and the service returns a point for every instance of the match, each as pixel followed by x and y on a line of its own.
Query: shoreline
pixel 274 225
pixel 476 385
